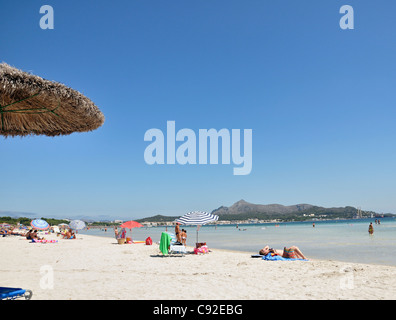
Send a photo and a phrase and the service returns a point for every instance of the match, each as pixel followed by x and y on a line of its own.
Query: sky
pixel 320 102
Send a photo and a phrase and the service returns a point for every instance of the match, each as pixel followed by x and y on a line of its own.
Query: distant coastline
pixel 241 212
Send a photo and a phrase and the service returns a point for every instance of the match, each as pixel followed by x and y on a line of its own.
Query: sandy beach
pixel 93 268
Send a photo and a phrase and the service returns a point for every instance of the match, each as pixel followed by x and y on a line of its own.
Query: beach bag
pixel 202 249
pixel 149 241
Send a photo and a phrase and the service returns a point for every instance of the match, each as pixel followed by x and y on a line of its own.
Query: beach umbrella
pixel 39 224
pixel 4 225
pixel 31 105
pixel 63 225
pixel 77 225
pixel 130 225
pixel 197 218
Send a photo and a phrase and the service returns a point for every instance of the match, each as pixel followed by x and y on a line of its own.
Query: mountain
pixel 243 210
pixel 14 214
pixel 158 218
pixel 243 207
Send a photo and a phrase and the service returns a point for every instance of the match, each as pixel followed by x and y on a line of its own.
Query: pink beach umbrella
pixel 130 225
pixel 39 224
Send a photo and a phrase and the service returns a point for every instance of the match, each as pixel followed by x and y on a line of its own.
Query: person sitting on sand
pixel 32 235
pixel 29 235
pixel 35 235
pixel 69 234
pixel 292 252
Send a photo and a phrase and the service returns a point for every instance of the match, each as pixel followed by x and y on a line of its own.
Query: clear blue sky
pixel 321 102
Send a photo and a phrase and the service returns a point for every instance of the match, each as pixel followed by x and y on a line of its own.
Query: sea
pixel 339 240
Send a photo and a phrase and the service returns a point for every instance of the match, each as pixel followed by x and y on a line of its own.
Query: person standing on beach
pixel 371 228
pixel 116 232
pixel 184 236
pixel 177 232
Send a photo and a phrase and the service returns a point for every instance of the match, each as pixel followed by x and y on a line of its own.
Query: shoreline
pixel 98 268
pixel 249 253
pixel 154 224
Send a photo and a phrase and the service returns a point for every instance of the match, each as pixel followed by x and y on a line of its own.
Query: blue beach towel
pixel 270 257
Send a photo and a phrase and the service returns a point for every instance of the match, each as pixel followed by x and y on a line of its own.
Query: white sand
pixel 99 268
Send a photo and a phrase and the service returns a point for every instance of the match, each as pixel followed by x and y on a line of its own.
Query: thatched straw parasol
pixel 31 105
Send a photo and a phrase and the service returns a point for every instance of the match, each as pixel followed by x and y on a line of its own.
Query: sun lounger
pixel 14 293
pixel 176 247
pixel 169 245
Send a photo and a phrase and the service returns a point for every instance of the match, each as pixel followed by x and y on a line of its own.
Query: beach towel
pixel 165 243
pixel 270 257
pixel 44 241
pixel 173 237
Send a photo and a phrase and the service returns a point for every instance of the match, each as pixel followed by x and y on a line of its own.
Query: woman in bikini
pixel 184 236
pixel 371 228
pixel 292 252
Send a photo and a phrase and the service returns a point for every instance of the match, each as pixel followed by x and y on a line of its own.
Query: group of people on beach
pixel 69 234
pixel 11 231
pixel 15 231
pixel 5 232
pixel 117 235
pixel 32 235
pixel 181 235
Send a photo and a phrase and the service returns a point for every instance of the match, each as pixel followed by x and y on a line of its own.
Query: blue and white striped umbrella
pixel 39 224
pixel 197 218
pixel 77 225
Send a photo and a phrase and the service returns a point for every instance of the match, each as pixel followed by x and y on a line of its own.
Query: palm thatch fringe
pixel 31 105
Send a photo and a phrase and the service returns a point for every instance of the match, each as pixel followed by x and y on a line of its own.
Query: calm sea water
pixel 342 240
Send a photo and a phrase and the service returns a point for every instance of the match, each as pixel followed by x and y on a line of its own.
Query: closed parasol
pixel 31 105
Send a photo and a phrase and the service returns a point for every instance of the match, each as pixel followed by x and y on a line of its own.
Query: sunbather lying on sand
pixel 292 252
pixel 69 235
